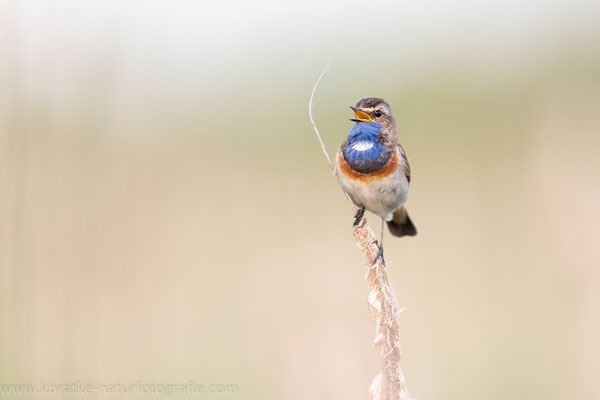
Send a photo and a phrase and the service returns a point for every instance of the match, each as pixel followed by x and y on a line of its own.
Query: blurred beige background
pixel 166 214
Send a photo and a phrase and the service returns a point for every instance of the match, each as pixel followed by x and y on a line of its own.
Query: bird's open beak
pixel 360 116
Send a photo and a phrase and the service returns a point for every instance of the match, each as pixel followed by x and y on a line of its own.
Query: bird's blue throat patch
pixel 364 151
pixel 363 142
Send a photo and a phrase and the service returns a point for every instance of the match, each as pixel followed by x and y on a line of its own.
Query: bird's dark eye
pixel 378 113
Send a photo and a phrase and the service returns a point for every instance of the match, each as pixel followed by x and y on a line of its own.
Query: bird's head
pixel 376 110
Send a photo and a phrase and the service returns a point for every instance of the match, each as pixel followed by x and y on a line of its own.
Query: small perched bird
pixel 372 168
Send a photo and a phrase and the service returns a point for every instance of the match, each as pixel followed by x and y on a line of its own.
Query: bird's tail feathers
pixel 401 224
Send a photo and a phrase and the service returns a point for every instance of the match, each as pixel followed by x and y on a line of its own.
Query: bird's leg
pixel 380 245
pixel 358 216
pixel 382 226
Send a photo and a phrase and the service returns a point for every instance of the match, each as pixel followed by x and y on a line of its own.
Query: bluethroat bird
pixel 372 168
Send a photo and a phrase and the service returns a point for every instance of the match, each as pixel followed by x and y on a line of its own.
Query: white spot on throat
pixel 362 145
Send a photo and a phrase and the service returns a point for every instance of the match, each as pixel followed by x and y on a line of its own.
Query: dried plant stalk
pixel 389 383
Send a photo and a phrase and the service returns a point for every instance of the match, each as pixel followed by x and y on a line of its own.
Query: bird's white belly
pixel 381 196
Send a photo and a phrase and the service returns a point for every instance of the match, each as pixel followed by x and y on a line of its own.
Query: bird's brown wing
pixel 404 160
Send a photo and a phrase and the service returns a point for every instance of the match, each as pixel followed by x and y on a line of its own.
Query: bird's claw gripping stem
pixel 358 216
pixel 379 254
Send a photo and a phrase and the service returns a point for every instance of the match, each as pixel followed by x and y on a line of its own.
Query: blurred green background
pixel 167 214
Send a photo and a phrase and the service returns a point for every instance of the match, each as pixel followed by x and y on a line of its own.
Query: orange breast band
pixel 387 169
